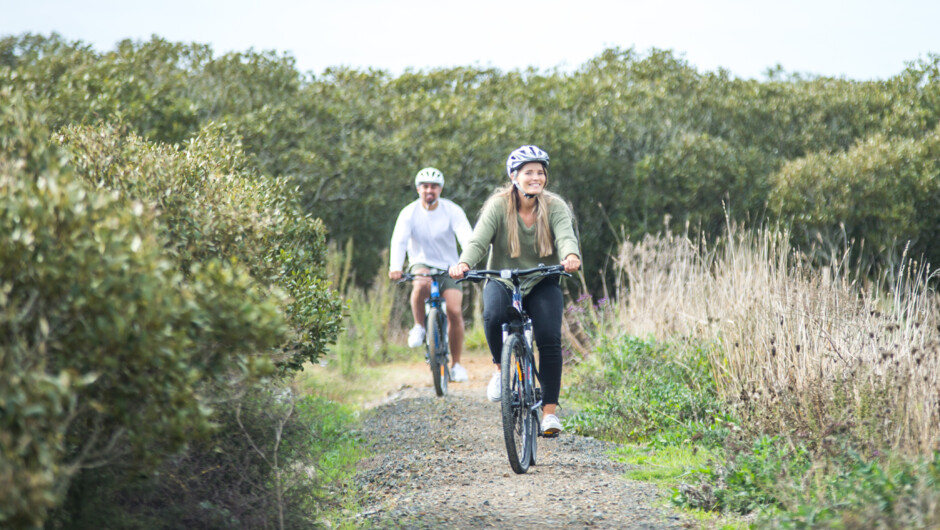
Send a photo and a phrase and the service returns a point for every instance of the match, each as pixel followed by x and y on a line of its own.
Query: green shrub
pixel 644 391
pixel 845 488
pixel 700 180
pixel 212 206
pixel 35 409
pixel 107 348
pixel 831 485
pixel 274 458
pixel 755 478
pixel 883 191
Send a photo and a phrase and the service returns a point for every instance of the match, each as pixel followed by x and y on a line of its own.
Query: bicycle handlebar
pixel 407 276
pixel 514 275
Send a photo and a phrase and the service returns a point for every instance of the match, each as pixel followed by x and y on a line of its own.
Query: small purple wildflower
pixel 566 353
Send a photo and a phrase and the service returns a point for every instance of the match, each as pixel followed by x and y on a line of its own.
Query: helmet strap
pixel 518 187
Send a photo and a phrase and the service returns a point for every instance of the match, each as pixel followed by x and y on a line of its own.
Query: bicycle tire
pixel 536 425
pixel 437 351
pixel 518 429
pixel 443 350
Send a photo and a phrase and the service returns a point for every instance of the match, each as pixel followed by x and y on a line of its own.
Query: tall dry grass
pixel 372 331
pixel 808 351
pixel 377 317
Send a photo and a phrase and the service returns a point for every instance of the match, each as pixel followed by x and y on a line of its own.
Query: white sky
pixel 861 39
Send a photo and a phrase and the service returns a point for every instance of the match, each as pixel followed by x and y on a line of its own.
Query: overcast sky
pixel 861 39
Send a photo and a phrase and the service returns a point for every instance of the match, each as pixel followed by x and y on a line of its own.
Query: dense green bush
pixel 885 192
pixel 854 490
pixel 833 485
pixel 633 137
pixel 275 458
pixel 109 339
pixel 699 180
pixel 140 284
pixel 649 392
pixel 212 206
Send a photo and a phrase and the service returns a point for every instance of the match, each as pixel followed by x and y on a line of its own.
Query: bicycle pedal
pixel 549 434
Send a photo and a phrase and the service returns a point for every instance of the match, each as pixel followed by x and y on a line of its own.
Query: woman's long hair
pixel 543 232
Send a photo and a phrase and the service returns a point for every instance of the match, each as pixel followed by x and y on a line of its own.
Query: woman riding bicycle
pixel 521 226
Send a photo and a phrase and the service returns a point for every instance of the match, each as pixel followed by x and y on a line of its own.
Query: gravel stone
pixel 441 463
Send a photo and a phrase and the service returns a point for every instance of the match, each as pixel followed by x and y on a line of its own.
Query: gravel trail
pixel 441 463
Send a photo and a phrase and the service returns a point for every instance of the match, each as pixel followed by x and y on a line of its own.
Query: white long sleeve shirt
pixel 429 236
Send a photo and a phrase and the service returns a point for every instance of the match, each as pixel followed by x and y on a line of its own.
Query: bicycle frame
pixel 435 300
pixel 521 322
pixel 437 349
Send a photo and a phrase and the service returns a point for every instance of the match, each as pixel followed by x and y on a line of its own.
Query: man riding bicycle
pixel 428 230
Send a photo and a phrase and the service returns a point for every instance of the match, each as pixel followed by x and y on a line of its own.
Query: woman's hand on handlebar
pixel 394 275
pixel 456 272
pixel 572 263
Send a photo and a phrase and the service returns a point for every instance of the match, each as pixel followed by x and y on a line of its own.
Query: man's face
pixel 429 193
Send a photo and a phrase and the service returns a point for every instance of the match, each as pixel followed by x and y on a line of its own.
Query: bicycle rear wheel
pixel 437 350
pixel 519 429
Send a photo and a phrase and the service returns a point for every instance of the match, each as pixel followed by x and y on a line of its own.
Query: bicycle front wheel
pixel 519 429
pixel 437 350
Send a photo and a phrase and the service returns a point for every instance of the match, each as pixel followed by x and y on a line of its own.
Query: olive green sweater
pixel 490 237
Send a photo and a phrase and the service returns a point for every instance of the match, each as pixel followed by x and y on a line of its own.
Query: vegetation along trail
pixel 441 463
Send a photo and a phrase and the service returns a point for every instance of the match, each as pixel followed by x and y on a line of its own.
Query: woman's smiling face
pixel 531 178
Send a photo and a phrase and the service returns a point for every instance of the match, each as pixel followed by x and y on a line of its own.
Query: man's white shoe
pixel 494 389
pixel 416 336
pixel 551 425
pixel 458 374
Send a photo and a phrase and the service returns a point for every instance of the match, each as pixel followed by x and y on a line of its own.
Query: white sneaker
pixel 551 425
pixel 458 374
pixel 416 336
pixel 494 389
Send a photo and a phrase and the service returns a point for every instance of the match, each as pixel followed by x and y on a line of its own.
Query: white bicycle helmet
pixel 430 175
pixel 524 155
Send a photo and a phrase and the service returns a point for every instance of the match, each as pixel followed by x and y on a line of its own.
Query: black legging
pixel 545 305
